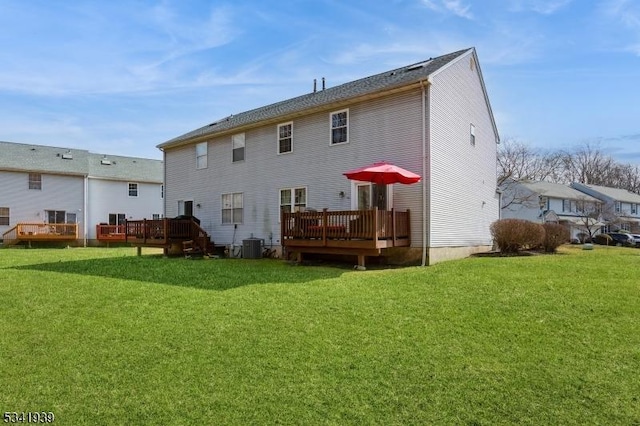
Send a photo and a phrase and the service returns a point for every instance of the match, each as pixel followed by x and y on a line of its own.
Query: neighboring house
pixel 60 194
pixel 552 202
pixel 620 206
pixel 242 174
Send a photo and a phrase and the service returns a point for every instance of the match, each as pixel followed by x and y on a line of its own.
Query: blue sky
pixel 120 77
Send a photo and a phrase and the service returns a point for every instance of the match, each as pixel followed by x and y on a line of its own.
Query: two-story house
pixel 60 194
pixel 552 202
pixel 620 207
pixel 248 174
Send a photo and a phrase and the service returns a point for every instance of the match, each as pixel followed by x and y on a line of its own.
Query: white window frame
pixel 202 149
pixel 233 202
pixel 331 127
pixel 293 205
pixel 618 206
pixel 133 186
pixel 35 181
pixel 280 138
pixel 5 213
pixel 238 142
pixel 355 184
pixel 472 134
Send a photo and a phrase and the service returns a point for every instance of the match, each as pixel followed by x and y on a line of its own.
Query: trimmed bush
pixel 513 235
pixel 554 236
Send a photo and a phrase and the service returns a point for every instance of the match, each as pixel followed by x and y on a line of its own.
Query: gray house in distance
pixel 276 172
pixel 72 195
pixel 620 206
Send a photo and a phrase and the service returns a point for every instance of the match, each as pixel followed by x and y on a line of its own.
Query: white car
pixel 636 238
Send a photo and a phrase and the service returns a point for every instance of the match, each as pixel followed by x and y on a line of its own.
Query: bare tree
pixel 519 162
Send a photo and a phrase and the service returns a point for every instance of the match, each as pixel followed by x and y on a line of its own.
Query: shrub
pixel 513 235
pixel 603 239
pixel 554 236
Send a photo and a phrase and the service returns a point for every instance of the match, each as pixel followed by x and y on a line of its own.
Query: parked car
pixel 622 239
pixel 636 238
pixel 614 239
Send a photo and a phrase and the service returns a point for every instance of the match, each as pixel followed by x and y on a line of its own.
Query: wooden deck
pixel 347 232
pixel 111 233
pixel 40 232
pixel 166 233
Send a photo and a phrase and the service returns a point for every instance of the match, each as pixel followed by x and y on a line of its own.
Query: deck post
pixel 394 237
pixel 144 230
pixel 375 225
pixel 139 251
pixel 324 226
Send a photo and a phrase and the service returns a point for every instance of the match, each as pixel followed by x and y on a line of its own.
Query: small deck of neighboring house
pixel 40 232
pixel 168 234
pixel 349 232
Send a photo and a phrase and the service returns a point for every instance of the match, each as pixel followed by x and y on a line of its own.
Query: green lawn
pixel 100 336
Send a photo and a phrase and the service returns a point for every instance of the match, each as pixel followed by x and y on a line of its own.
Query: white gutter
pixel 426 105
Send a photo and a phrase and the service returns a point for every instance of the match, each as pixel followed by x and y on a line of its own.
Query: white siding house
pixel 432 118
pixel 621 207
pixel 42 185
pixel 552 202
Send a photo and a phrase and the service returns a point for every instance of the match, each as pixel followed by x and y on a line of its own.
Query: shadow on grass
pixel 207 274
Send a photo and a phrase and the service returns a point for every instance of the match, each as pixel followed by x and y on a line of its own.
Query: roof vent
pixel 67 156
pixel 417 66
pixel 105 162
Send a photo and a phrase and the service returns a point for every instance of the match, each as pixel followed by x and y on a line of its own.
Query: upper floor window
pixel 293 199
pixel 618 206
pixel 201 155
pixel 285 138
pixel 4 216
pixel 634 209
pixel 340 127
pixel 472 135
pixel 237 142
pixel 133 190
pixel 35 181
pixel 232 208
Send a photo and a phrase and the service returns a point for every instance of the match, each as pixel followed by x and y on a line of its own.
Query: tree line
pixel 585 163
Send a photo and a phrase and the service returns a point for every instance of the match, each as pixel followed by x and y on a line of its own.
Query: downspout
pixel 85 214
pixel 426 105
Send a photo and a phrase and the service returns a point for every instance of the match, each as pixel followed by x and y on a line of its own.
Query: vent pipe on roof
pixel 314 85
pixel 323 83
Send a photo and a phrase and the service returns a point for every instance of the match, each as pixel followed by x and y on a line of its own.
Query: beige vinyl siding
pixel 463 177
pixel 385 129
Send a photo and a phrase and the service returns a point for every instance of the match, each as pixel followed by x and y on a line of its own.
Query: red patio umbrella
pixel 383 173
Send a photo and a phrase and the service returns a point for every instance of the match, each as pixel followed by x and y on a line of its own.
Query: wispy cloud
pixel 544 7
pixel 109 49
pixel 624 15
pixel 455 7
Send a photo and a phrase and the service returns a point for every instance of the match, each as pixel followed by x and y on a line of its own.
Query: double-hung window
pixel 618 206
pixel 634 208
pixel 4 216
pixel 133 189
pixel 293 199
pixel 232 207
pixel 35 181
pixel 285 138
pixel 340 127
pixel 201 155
pixel 472 135
pixel 237 142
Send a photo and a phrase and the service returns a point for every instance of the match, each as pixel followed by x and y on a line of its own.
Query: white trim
pixel 129 189
pixel 278 138
pixel 354 194
pixel 331 114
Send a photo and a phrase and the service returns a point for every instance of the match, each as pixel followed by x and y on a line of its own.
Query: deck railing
pixel 163 231
pixel 41 232
pixel 346 225
pixel 110 232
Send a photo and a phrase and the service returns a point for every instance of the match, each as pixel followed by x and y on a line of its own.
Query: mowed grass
pixel 101 336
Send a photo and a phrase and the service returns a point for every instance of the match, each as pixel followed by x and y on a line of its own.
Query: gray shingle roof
pixel 384 81
pixel 616 194
pixel 69 161
pixel 558 190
